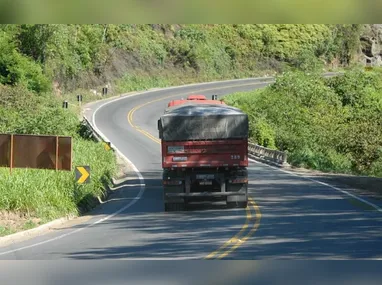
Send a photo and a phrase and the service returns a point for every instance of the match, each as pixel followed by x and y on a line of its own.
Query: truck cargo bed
pixel 202 122
pixel 204 153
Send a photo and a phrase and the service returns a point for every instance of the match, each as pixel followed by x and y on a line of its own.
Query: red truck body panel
pixel 213 153
pixel 201 99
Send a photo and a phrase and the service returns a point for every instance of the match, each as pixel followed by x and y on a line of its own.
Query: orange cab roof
pixel 195 98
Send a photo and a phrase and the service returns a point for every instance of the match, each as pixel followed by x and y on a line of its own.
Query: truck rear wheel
pixel 174 207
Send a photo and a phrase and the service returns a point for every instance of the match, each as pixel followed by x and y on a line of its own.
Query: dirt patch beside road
pixel 11 222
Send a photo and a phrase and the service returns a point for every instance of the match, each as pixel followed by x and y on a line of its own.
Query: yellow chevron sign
pixel 107 146
pixel 82 174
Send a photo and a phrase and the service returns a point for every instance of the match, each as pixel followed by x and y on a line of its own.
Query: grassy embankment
pixel 30 197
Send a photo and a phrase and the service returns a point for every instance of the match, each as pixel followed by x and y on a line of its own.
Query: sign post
pixel 11 156
pixel 79 99
pixel 107 146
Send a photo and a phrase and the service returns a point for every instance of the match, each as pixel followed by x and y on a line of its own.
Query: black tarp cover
pixel 192 121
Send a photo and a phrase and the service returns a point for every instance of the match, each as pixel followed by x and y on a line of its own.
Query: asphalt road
pixel 290 217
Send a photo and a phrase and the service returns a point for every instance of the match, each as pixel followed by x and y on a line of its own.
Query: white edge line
pixel 138 197
pixel 322 183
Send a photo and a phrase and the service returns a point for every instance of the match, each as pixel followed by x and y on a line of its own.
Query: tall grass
pixel 132 82
pixel 48 194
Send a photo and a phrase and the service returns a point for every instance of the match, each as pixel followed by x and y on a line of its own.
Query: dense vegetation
pixel 85 56
pixel 330 124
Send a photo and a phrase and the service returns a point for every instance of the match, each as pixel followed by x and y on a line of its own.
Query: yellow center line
pixel 235 241
pixel 132 111
pixel 252 231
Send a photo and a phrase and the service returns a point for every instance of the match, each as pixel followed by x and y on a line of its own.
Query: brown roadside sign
pixel 36 151
pixel 43 152
pixel 5 150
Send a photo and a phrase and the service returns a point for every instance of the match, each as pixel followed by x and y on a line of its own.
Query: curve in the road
pixel 299 218
pixel 237 240
pixel 29 246
pixel 150 136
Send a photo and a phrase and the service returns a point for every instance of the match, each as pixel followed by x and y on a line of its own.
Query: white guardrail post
pixel 267 154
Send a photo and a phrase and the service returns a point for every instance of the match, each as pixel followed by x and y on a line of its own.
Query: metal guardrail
pixel 94 134
pixel 89 126
pixel 275 156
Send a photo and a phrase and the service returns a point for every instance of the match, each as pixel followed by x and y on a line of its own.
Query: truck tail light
pixel 238 180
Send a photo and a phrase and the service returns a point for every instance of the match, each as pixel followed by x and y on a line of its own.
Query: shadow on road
pixel 145 230
pixel 303 219
pixel 300 219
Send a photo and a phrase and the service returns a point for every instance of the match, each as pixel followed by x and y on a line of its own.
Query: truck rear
pixel 204 153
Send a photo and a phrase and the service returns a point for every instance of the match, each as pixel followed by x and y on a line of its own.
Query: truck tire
pixel 174 207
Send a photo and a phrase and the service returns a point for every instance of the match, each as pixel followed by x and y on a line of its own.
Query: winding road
pixel 289 217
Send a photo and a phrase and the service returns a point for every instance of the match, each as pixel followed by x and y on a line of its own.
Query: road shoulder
pixel 125 173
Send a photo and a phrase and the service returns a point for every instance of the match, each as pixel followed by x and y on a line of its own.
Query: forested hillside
pixel 85 56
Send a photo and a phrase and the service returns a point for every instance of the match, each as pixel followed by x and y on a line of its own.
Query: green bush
pixel 330 161
pixel 16 69
pixel 263 133
pixel 327 124
pixel 376 167
pixel 40 114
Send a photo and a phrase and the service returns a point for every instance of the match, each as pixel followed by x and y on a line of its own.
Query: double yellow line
pixel 130 120
pixel 238 239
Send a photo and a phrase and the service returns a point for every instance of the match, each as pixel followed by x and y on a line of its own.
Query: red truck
pixel 204 153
